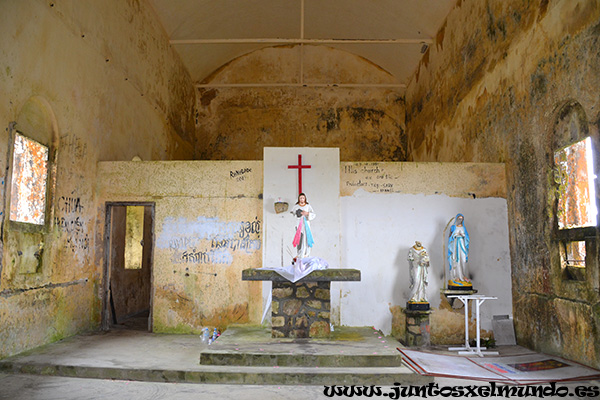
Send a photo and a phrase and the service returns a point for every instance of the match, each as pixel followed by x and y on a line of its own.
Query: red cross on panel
pixel 300 167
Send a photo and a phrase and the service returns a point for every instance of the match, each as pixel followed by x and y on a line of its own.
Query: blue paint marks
pixel 199 229
pixel 208 240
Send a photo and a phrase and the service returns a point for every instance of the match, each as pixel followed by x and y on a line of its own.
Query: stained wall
pixel 386 207
pixel 365 122
pixel 207 229
pixel 209 226
pixel 512 81
pixel 97 81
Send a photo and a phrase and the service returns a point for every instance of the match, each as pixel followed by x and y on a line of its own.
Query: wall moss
pixel 116 90
pixel 536 56
pixel 366 123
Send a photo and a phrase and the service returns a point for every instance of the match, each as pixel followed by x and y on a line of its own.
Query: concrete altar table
pixel 301 309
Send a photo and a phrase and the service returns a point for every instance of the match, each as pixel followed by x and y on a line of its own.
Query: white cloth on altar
pixel 300 268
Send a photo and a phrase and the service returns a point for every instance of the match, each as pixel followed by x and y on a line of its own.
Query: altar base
pixel 301 309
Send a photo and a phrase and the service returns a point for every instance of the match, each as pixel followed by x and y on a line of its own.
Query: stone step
pixel 347 347
pixel 216 374
pixel 352 356
pixel 304 360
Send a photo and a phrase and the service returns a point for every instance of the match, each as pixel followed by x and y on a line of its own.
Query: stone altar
pixel 301 309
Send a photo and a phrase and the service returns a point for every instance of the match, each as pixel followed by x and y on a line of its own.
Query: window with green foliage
pixel 576 205
pixel 575 179
pixel 29 181
pixel 134 237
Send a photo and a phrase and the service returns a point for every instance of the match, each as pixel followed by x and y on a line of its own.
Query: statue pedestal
pixel 420 306
pixel 460 288
pixel 417 328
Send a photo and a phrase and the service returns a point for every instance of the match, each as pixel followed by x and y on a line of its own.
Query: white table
pixel 467 349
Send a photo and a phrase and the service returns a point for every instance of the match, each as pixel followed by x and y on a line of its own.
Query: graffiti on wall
pixel 372 177
pixel 208 240
pixel 76 148
pixel 240 174
pixel 70 221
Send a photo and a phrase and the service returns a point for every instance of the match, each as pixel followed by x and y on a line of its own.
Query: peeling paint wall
pixel 386 207
pixel 365 123
pixel 208 228
pixel 95 81
pixel 496 86
pixel 510 81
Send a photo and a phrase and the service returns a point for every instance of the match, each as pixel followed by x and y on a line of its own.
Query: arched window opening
pixel 29 181
pixel 576 212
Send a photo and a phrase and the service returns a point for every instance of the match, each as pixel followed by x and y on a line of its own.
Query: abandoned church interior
pixel 146 144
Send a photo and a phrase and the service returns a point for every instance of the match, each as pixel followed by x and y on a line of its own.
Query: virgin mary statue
pixel 458 253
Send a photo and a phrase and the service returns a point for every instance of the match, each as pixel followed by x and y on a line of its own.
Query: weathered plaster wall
pixel 321 185
pixel 208 228
pixel 365 123
pixel 110 88
pixel 386 207
pixel 494 88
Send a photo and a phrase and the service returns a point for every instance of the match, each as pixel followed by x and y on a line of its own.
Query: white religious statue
pixel 418 261
pixel 458 253
pixel 303 239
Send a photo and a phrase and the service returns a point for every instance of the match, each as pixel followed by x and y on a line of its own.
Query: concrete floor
pixel 144 356
pixel 39 387
pixel 131 350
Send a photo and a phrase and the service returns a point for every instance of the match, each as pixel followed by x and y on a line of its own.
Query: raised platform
pixel 242 355
pixel 346 347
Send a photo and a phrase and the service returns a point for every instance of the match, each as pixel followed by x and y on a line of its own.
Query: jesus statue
pixel 303 239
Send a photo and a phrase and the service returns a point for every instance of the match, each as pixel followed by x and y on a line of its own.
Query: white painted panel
pixel 321 184
pixel 378 230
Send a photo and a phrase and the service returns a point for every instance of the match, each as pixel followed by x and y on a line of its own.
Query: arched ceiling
pixel 392 34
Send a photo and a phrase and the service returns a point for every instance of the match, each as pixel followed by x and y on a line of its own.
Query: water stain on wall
pixel 536 57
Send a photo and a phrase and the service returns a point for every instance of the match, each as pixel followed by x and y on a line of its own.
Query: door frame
pixel 105 315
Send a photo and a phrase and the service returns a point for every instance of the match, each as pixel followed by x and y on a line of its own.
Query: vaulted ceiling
pixel 392 34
